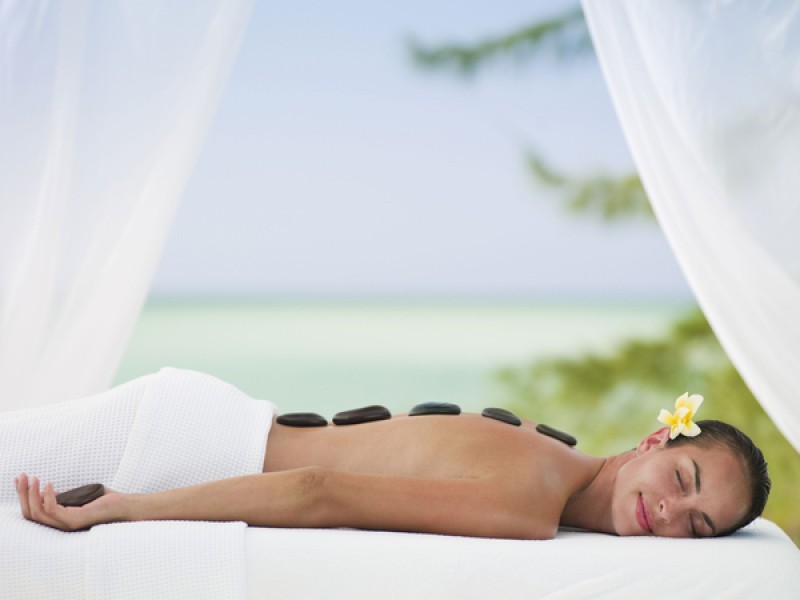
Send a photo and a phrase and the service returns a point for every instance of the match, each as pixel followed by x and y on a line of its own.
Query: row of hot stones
pixel 375 412
pixel 86 493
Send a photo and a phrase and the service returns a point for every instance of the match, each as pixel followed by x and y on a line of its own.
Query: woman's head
pixel 702 486
pixel 719 434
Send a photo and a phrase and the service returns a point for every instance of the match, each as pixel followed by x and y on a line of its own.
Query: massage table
pixel 135 438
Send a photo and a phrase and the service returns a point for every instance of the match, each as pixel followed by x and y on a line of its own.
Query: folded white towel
pixel 171 429
pixel 191 428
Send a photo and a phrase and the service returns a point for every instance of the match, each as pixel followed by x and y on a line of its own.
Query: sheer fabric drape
pixel 708 93
pixel 103 110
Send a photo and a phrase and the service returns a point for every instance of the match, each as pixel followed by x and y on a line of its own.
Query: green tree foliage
pixel 562 36
pixel 610 401
pixel 610 197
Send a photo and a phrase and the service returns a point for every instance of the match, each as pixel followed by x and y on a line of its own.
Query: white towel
pixel 171 429
pixel 192 428
pixel 72 443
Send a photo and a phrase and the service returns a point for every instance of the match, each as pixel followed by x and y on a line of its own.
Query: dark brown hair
pixel 721 434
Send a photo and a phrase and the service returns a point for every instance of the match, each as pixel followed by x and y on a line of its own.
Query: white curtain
pixel 708 93
pixel 103 110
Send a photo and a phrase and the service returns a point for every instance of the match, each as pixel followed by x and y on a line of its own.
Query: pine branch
pixel 610 197
pixel 563 36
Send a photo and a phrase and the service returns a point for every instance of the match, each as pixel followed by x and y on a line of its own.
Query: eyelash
pixel 692 528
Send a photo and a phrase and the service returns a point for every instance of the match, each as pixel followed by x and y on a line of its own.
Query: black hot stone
pixel 561 436
pixel 302 420
pixel 435 408
pixel 81 495
pixel 501 414
pixel 362 415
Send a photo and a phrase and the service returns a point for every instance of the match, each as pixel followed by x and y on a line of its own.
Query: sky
pixel 335 167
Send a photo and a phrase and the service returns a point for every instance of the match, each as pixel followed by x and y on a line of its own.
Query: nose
pixel 671 509
pixel 663 511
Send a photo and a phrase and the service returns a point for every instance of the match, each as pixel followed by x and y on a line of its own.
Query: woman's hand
pixel 40 506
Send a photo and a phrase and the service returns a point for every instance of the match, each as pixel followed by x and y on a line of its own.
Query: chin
pixel 627 531
pixel 623 519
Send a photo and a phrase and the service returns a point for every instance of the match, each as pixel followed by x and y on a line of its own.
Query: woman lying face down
pixel 458 475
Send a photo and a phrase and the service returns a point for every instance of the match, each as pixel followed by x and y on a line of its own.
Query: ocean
pixel 330 356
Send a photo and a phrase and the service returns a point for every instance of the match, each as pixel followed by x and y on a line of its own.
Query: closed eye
pixel 680 480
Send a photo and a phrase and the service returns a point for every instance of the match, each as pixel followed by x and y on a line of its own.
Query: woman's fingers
pixel 49 499
pixel 22 494
pixel 28 494
pixel 35 501
pixel 38 505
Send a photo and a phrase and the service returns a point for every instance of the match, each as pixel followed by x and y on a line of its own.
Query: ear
pixel 657 439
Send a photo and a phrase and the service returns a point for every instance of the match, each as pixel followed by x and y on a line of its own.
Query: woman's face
pixel 683 491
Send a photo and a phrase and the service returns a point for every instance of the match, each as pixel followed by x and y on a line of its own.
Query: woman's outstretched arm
pixel 310 497
pixel 272 499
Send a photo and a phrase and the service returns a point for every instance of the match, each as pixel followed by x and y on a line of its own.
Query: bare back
pixel 535 473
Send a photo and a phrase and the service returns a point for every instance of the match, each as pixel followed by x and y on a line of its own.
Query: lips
pixel 642 516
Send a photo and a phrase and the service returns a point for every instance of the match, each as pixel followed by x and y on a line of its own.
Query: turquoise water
pixel 329 357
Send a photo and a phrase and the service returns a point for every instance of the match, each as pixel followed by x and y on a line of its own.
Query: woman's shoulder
pixel 541 472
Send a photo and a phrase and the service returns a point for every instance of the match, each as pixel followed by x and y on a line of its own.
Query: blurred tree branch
pixel 607 196
pixel 563 36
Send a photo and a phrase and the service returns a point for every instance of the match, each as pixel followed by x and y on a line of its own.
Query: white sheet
pixel 758 562
pixel 165 559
